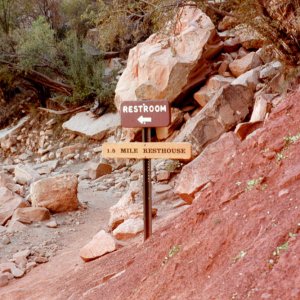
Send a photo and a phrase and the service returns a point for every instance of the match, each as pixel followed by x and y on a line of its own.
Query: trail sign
pixel 147 150
pixel 150 113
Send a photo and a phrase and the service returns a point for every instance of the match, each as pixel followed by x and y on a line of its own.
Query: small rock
pixel 283 192
pixel 16 272
pixel 41 260
pixel 4 279
pixel 5 240
pixel 30 266
pixel 163 176
pixel 52 224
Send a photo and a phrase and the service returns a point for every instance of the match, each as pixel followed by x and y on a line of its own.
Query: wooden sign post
pixel 146 114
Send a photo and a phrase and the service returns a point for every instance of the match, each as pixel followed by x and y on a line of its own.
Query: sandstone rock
pixel 249 79
pixel 97 170
pixel 46 167
pixel 163 175
pixel 244 64
pixel 15 226
pixel 58 193
pixel 9 201
pixel 4 279
pixel 167 65
pixel 227 108
pixel 195 175
pixel 231 45
pixel 28 215
pixel 71 149
pixel 129 229
pixel 212 86
pixel 11 268
pixel 163 133
pixel 5 180
pixel 52 224
pixel 249 38
pixel 30 266
pixel 85 123
pixel 101 244
pixel 24 174
pixel 259 109
pixel 270 70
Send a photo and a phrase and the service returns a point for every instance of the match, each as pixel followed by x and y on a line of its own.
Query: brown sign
pixel 147 150
pixel 150 113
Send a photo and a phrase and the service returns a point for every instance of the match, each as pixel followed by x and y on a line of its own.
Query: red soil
pixel 238 240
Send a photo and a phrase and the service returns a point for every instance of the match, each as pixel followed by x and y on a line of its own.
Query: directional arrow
pixel 144 120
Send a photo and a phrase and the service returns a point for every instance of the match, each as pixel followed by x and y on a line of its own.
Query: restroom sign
pixel 150 113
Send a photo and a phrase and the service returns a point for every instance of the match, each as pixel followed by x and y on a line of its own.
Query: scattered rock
pixel 163 175
pixel 212 86
pixel 129 229
pixel 58 193
pixel 24 174
pixel 28 215
pixel 5 240
pixel 52 224
pixel 97 170
pixel 244 64
pixel 101 244
pixel 85 123
pixel 226 109
pixel 41 260
pixel 9 201
pixel 4 279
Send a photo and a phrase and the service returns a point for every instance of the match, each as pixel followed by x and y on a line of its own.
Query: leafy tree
pixel 36 46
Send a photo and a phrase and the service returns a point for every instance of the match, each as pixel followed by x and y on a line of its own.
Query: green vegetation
pixel 51 38
pixel 279 249
pixel 241 255
pixel 172 252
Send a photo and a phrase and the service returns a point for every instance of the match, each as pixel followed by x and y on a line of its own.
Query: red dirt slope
pixel 239 240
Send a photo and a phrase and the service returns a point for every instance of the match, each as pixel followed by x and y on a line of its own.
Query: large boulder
pixel 226 109
pixel 170 63
pixel 9 202
pixel 85 123
pixel 206 167
pixel 58 193
pixel 101 244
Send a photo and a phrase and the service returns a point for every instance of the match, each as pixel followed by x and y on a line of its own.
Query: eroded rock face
pixel 195 175
pixel 58 193
pixel 227 108
pixel 101 244
pixel 167 65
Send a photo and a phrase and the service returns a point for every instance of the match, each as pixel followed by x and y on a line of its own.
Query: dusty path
pixel 70 239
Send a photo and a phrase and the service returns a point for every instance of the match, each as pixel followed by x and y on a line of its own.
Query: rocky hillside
pixel 226 223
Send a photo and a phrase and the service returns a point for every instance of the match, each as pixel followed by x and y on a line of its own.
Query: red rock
pixel 97 170
pixel 195 175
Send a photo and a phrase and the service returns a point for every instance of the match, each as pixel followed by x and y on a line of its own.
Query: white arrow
pixel 144 120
